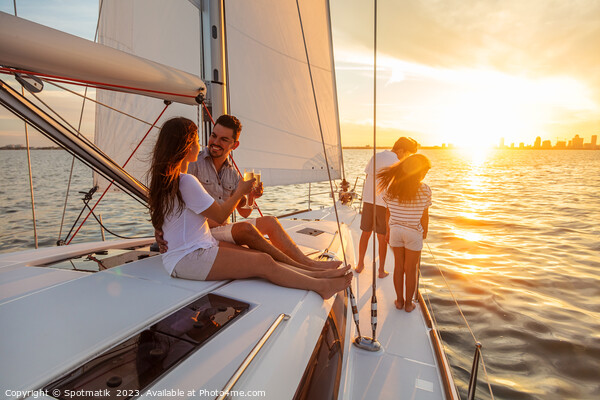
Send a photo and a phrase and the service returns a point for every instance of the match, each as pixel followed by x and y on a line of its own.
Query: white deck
pixel 56 320
pixel 406 367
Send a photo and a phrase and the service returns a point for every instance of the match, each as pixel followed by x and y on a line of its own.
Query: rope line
pixel 462 315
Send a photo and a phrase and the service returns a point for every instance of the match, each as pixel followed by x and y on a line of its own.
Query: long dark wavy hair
pixel 402 180
pixel 174 142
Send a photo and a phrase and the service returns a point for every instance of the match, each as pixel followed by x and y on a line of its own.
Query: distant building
pixel 521 145
pixel 512 145
pixel 577 142
pixel 538 143
pixel 501 143
pixel 547 144
pixel 594 139
pixel 561 144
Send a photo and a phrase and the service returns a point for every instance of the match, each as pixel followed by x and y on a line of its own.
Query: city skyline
pixel 444 75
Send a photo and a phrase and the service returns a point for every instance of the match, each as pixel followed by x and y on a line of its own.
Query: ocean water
pixel 514 233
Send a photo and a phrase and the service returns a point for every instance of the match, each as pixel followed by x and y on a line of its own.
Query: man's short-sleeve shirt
pixel 220 185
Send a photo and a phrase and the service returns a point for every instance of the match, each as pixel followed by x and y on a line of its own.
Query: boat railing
pixel 478 356
pixel 250 357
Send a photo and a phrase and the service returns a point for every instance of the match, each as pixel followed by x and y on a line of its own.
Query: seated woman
pixel 179 205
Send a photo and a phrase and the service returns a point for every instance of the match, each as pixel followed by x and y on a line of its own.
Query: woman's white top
pixel 409 214
pixel 187 230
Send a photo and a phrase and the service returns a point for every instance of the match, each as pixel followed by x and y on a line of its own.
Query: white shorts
pixel 196 265
pixel 223 233
pixel 401 236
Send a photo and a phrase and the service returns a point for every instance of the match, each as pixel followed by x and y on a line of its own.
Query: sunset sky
pixel 454 71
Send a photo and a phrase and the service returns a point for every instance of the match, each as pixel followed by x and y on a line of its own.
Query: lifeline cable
pixel 462 315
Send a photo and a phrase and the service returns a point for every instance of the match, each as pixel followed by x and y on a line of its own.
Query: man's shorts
pixel 366 220
pixel 196 265
pixel 223 233
pixel 401 236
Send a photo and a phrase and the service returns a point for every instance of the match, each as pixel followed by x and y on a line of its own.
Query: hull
pixel 63 326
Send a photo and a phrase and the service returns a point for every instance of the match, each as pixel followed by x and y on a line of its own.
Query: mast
pixel 215 62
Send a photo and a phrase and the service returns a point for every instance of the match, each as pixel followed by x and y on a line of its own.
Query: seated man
pixel 218 176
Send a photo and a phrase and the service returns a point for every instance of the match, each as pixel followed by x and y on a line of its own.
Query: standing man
pixel 402 149
pixel 216 172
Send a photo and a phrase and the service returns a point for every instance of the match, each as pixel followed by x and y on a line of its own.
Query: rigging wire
pixel 167 104
pixel 98 102
pixel 349 289
pixel 94 84
pixel 62 221
pixel 35 236
pixel 462 315
pixel 374 233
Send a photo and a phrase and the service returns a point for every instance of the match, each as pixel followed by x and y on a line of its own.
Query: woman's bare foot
pixel 331 286
pixel 409 306
pixel 330 273
pixel 359 268
pixel 399 304
pixel 383 274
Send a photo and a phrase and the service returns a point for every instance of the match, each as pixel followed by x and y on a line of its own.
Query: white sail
pixel 268 76
pixel 165 32
pixel 270 88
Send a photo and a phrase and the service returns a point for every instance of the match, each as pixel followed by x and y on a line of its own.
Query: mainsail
pixel 271 92
pixel 165 32
pixel 268 80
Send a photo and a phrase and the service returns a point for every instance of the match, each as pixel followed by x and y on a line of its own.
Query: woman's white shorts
pixel 401 236
pixel 196 265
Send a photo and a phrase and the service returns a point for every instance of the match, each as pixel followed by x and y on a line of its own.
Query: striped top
pixel 409 213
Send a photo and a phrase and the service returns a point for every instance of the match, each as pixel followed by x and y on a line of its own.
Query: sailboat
pixel 128 330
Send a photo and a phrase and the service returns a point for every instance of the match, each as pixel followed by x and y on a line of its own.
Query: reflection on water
pixel 515 233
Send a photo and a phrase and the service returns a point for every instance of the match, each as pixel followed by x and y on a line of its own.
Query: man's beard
pixel 215 151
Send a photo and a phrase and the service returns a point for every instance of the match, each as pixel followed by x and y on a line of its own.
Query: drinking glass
pixel 248 174
pixel 257 176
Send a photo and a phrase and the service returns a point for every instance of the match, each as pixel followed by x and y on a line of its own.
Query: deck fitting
pixel 367 343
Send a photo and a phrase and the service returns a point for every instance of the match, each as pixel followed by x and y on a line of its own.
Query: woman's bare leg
pixel 399 276
pixel 261 265
pixel 382 255
pixel 411 258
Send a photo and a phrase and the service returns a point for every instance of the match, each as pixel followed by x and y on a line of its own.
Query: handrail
pixel 242 368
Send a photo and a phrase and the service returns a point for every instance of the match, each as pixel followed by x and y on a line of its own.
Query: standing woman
pixel 180 206
pixel 408 200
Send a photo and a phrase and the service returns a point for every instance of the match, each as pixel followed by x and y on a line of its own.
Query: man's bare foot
pixel 325 264
pixel 359 268
pixel 383 274
pixel 399 304
pixel 330 273
pixel 409 306
pixel 331 286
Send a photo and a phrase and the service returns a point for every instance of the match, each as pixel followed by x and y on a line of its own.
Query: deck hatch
pixel 126 370
pixel 311 231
